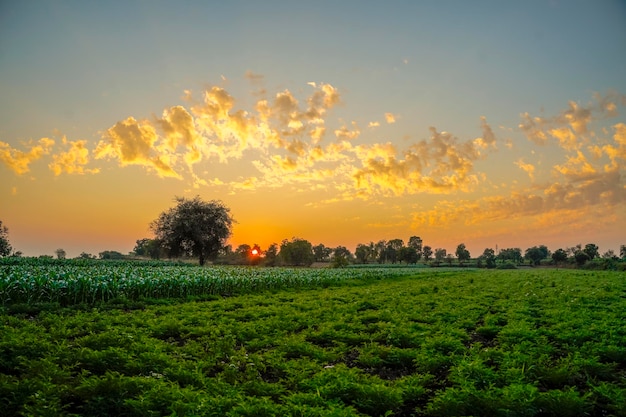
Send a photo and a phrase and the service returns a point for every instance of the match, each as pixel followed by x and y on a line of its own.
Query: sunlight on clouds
pixel 527 168
pixel 567 139
pixel 489 138
pixel 73 160
pixel 132 143
pixel 19 161
pixel 438 165
pixel 576 168
pixel 571 126
pixel 618 152
pixel 278 142
pixel 345 133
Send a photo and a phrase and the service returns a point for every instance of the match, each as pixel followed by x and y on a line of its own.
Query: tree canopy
pixel 297 252
pixel 5 246
pixel 193 227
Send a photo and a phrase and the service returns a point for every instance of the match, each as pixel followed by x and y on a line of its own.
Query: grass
pixel 434 343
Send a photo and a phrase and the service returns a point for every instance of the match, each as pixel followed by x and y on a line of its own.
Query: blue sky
pixel 75 69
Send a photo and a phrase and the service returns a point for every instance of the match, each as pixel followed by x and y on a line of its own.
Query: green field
pixel 150 340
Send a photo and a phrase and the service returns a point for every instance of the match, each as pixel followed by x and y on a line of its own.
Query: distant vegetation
pixel 197 229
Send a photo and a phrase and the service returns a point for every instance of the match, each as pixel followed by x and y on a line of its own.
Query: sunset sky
pixel 342 122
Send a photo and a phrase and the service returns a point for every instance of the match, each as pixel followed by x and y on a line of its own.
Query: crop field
pixel 127 340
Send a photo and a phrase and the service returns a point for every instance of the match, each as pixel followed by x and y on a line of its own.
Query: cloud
pixel 390 118
pixel 344 133
pixel 488 138
pixel 599 191
pixel 527 168
pixel 533 128
pixel 566 137
pixel 617 152
pixel 577 117
pixel 73 160
pixel 373 124
pixel 437 165
pixel 132 143
pixel 255 78
pixel 576 167
pixel 19 161
pixel 571 126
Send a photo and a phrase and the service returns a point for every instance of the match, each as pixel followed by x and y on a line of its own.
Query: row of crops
pixel 68 283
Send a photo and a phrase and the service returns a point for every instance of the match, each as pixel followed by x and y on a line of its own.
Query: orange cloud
pixel 527 168
pixel 19 161
pixel 438 165
pixel 571 126
pixel 617 152
pixel 132 143
pixel 346 134
pixel 73 160
pixel 604 191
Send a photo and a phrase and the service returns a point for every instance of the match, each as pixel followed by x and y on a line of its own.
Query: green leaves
pixel 374 343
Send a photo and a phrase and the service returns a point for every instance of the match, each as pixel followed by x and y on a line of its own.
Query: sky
pixel 490 123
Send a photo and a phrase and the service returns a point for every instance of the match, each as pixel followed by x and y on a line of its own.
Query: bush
pixel 507 265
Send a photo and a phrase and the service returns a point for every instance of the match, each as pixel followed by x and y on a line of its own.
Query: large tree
pixel 511 254
pixel 321 252
pixel 5 246
pixel 440 255
pixel 148 247
pixel 592 250
pixel 427 251
pixel 559 256
pixel 462 253
pixel 194 227
pixel 363 253
pixel 298 252
pixel 536 254
pixel 489 255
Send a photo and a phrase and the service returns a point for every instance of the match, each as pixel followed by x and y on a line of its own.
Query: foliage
pixel 434 343
pixel 321 253
pixel 341 257
pixel 536 254
pixel 409 255
pixel 489 256
pixel 5 246
pixel 462 253
pixel 148 247
pixel 111 254
pixel 91 282
pixel 440 255
pixel 559 256
pixel 60 253
pixel 365 252
pixel 427 252
pixel 297 252
pixel 194 227
pixel 581 257
pixel 591 250
pixel 511 254
pixel 271 255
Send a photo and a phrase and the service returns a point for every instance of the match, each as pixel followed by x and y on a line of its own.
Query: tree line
pixel 199 229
